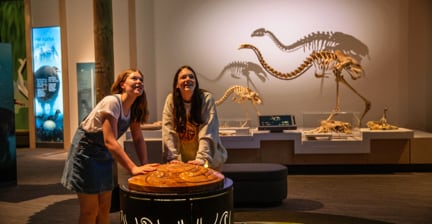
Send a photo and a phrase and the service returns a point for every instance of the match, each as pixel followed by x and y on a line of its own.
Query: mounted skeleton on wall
pixel 241 94
pixel 323 61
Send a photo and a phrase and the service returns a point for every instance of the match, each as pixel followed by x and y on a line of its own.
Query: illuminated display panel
pixel 48 93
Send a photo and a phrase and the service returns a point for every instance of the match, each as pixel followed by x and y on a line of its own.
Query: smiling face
pixel 186 83
pixel 133 84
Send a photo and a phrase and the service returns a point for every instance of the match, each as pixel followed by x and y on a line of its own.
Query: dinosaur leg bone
pixel 247 116
pixel 256 109
pixel 337 107
pixel 366 101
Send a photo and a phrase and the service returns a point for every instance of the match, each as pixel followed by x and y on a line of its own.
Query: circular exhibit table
pixel 215 206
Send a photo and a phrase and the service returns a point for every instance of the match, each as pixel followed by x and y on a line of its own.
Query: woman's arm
pixel 170 138
pixel 139 142
pixel 109 129
pixel 209 131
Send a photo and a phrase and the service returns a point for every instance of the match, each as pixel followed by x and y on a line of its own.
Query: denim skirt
pixel 89 165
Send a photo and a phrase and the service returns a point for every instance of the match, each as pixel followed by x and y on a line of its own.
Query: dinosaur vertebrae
pixel 322 60
pixel 241 94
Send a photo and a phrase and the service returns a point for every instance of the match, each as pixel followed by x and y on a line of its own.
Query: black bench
pixel 257 183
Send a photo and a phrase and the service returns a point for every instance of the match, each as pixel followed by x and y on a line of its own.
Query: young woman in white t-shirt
pixel 94 148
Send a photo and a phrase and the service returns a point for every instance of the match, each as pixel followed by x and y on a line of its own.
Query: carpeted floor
pixel 399 198
pixel 298 217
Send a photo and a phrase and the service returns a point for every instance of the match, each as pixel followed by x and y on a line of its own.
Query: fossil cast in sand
pixel 382 124
pixel 323 61
pixel 240 94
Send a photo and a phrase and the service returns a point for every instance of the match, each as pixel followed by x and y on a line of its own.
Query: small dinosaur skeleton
pixel 240 95
pixel 382 124
pixel 323 61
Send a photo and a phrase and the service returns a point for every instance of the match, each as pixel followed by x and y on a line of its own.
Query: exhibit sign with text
pixel 86 88
pixel 8 167
pixel 48 91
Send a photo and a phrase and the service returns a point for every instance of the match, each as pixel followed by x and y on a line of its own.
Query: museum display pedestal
pixel 187 208
pixel 257 183
pixel 291 147
pixel 421 148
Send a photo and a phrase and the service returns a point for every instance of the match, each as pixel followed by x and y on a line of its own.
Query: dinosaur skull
pixel 258 32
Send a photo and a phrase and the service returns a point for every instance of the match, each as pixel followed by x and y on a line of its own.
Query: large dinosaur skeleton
pixel 323 61
pixel 240 94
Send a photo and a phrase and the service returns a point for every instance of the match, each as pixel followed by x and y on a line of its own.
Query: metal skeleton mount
pixel 239 95
pixel 323 61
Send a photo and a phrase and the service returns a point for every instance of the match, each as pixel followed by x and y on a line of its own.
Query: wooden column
pixel 104 52
pixel 104 67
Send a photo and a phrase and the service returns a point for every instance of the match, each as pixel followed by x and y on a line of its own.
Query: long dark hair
pixel 180 116
pixel 139 109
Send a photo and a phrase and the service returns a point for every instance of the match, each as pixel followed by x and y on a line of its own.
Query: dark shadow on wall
pixel 315 41
pixel 321 41
pixel 241 69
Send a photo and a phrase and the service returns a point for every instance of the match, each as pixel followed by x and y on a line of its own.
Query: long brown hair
pixel 180 118
pixel 139 109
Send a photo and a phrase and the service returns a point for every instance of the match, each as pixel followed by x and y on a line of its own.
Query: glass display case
pixel 229 127
pixel 343 125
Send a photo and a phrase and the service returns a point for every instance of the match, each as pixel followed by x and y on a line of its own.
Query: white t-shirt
pixel 110 105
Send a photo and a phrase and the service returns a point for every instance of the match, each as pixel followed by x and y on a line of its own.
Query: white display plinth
pixel 343 125
pixel 347 145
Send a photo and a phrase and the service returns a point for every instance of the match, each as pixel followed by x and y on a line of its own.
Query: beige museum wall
pixel 206 35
